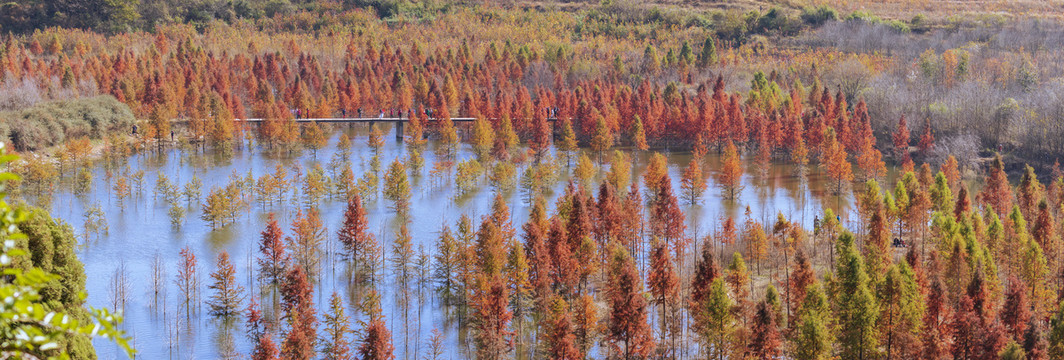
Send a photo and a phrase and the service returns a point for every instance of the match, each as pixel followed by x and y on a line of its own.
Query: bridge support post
pixel 399 130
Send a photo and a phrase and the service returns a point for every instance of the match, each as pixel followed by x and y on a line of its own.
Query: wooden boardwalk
pixel 398 121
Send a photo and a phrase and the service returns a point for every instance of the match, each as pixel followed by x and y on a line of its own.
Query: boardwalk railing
pixel 397 120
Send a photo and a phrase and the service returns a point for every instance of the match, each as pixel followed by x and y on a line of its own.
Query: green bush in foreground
pixel 30 324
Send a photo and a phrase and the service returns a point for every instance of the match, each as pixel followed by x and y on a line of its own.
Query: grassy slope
pixel 890 9
pixel 938 9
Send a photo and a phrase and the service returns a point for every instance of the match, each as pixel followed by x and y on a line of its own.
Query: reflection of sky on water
pixel 143 230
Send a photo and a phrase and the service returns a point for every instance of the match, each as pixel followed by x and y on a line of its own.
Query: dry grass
pixel 937 9
pixel 700 5
pixel 890 9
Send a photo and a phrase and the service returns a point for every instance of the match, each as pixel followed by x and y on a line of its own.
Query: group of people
pixel 817 224
pixel 297 113
pixel 389 113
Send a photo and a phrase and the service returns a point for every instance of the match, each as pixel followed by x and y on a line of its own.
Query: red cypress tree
pixel 798 283
pixel 877 246
pixel 993 341
pixel 870 159
pixel 842 124
pixel 974 325
pixel 937 336
pixel 666 218
pixel 353 234
pixel 706 270
pixel 540 265
pixel 765 148
pixel 608 220
pixel 631 223
pixel 1016 312
pixel 765 341
pixel 541 134
pixel 265 349
pixel 728 232
pixel 273 259
pixel 833 157
pixel 489 250
pixel 964 203
pixel 560 337
pixel 692 183
pixel 814 134
pixel 901 141
pixel 415 130
pixel 978 292
pixel 913 258
pixel 663 282
pixel 927 140
pixel 586 321
pixel 951 169
pixel 964 325
pixel 500 214
pixel 377 344
pixel 566 269
pixel 737 129
pixel 997 193
pixel 228 294
pixel 1044 231
pixel 731 172
pixel 299 341
pixel 298 306
pixel 1029 192
pixel 256 326
pixel 579 225
pixel 491 318
pixel 628 333
pixel 188 280
pixel 657 172
pixel 1034 340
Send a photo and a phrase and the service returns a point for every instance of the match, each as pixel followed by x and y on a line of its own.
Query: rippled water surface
pixel 141 230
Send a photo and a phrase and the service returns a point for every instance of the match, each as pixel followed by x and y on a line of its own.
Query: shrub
pixel 732 27
pixel 775 20
pixel 817 16
pixel 51 123
pixel 863 15
pixel 899 26
pixel 920 23
pixel 401 8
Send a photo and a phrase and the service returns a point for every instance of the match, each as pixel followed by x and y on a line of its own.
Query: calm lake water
pixel 142 230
